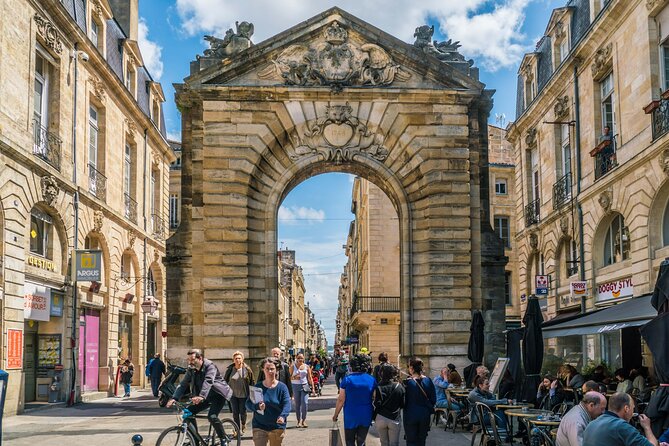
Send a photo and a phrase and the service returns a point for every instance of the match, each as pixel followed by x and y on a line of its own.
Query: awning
pixel 631 313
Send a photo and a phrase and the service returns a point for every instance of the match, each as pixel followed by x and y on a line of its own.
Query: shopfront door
pixel 30 360
pixel 89 348
pixel 151 340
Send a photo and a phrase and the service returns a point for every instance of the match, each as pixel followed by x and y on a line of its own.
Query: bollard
pixel 137 440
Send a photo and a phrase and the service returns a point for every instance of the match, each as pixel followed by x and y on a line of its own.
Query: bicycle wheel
pixel 233 436
pixel 174 436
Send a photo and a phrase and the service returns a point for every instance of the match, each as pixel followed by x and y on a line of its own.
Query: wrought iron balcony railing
pixel 376 304
pixel 97 183
pixel 46 145
pixel 605 161
pixel 130 208
pixel 532 213
pixel 660 120
pixel 562 191
pixel 158 226
pixel 571 270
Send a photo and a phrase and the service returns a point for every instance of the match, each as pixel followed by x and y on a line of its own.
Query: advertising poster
pixel 37 302
pixel 14 348
pixel 49 350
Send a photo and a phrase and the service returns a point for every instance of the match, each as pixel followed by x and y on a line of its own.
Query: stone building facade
pixel 78 110
pixel 591 149
pixel 333 94
pixel 175 188
pixel 373 266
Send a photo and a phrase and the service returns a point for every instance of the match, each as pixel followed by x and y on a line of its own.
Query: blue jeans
pixel 301 402
pixel 126 387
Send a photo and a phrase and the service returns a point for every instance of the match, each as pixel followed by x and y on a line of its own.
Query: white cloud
pixel 492 38
pixel 296 214
pixel 151 52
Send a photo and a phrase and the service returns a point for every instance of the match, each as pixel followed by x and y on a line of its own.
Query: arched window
pixel 616 242
pixel 570 251
pixel 665 226
pixel 150 284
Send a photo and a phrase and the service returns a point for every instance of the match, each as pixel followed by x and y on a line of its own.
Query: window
pixel 174 210
pixel 41 99
pixel 95 34
pixel 150 284
pixel 500 186
pixel 502 230
pixel 564 49
pixel 607 103
pixel 93 136
pixel 40 230
pixel 130 79
pixel 534 178
pixel 127 171
pixel 571 257
pixel 152 192
pixel 665 226
pixel 664 55
pixel 507 288
pixel 616 242
pixel 125 266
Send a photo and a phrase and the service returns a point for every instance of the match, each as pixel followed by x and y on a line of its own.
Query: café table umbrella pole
pixel 532 348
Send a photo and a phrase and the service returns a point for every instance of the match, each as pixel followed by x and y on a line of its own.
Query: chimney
pixel 126 13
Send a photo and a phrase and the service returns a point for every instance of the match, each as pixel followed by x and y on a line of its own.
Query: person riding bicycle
pixel 207 386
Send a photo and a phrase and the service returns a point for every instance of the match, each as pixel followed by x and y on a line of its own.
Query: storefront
pixel 89 349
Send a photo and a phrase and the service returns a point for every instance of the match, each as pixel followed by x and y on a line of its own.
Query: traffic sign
pixel 541 285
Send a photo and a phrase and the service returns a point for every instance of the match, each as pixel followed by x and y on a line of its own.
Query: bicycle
pixel 186 433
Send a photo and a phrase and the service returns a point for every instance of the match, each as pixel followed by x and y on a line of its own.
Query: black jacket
pixel 389 400
pixel 201 382
pixel 284 376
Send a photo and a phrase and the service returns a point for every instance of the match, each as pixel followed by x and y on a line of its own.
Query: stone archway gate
pixel 332 94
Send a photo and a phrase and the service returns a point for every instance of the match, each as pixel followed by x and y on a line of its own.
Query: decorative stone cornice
pixel 49 33
pixel 98 88
pixel 50 189
pixel 602 61
pixel 531 138
pixel 561 107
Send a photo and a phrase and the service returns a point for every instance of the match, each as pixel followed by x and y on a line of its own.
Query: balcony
pixel 130 208
pixel 660 118
pixel 46 145
pixel 605 156
pixel 97 183
pixel 532 213
pixel 562 191
pixel 158 226
pixel 375 304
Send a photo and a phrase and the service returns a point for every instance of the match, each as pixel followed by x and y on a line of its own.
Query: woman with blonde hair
pixel 239 377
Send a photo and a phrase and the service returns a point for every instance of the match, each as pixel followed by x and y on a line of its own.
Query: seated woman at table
pixel 624 383
pixel 481 394
pixel 572 378
pixel 550 393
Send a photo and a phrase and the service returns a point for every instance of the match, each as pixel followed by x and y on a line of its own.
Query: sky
pixel 315 216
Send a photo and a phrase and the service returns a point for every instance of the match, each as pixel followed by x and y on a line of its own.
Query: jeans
pixel 357 436
pixel 155 383
pixel 239 411
pixel 214 402
pixel 415 431
pixel 126 387
pixel 261 437
pixel 389 430
pixel 301 402
pixel 338 378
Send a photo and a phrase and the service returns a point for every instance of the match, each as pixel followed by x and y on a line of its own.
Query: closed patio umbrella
pixel 533 348
pixel 475 345
pixel 513 339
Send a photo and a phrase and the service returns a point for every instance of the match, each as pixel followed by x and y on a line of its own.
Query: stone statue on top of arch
pixel 231 44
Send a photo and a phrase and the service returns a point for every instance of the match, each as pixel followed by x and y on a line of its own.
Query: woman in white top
pixel 303 384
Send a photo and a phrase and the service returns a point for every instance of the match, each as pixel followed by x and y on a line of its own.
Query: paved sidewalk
pixel 113 421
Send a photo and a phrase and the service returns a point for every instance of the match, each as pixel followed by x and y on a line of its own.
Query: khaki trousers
pixel 261 437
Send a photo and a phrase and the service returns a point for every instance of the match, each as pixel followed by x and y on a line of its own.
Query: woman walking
pixel 270 415
pixel 356 393
pixel 388 402
pixel 127 370
pixel 303 385
pixel 239 377
pixel 418 405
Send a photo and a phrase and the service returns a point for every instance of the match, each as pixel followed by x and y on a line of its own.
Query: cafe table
pixel 526 415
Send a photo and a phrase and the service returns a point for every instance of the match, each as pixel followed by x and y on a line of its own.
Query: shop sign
pixel 41 263
pixel 541 282
pixel 36 302
pixel 14 348
pixel 57 304
pixel 568 301
pixel 616 289
pixel 88 265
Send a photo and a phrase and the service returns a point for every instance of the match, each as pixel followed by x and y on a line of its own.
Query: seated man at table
pixel 481 394
pixel 613 428
pixel 574 422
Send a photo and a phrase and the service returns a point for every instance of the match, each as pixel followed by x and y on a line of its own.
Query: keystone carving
pixel 602 60
pixel 531 138
pixel 559 30
pixel 98 219
pixel 335 62
pixel 534 241
pixel 49 33
pixel 231 44
pixel 98 88
pixel 445 51
pixel 664 161
pixel 561 107
pixel 132 236
pixel 339 137
pixel 50 189
pixel 564 226
pixel 97 8
pixel 605 199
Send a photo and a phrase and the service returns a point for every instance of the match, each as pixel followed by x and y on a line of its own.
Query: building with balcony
pixel 369 293
pixel 293 319
pixel 84 164
pixel 591 152
pixel 174 216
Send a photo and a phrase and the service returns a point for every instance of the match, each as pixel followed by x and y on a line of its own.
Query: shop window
pixel 616 242
pixel 571 257
pixel 125 336
pixel 502 230
pixel 41 227
pixel 500 186
pixel 126 265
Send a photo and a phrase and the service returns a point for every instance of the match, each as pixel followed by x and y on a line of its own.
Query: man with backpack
pixel 342 369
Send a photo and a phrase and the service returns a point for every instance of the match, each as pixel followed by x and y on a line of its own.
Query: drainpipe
pixel 579 209
pixel 145 272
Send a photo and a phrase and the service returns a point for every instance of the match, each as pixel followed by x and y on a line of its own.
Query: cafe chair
pixel 490 433
pixel 455 416
pixel 545 437
pixel 439 412
pixel 560 409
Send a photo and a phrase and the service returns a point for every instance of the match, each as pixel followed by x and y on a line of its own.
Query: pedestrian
pixel 418 405
pixel 303 385
pixel 283 369
pixel 127 371
pixel 270 415
pixel 210 391
pixel 356 395
pixel 342 369
pixel 613 428
pixel 454 377
pixel 388 403
pixel 239 377
pixel 383 359
pixel 156 371
pixel 574 422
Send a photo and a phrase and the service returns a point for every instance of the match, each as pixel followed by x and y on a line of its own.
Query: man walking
pixel 156 372
pixel 577 419
pixel 283 370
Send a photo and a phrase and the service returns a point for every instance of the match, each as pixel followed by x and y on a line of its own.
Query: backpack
pixel 343 368
pixel 147 369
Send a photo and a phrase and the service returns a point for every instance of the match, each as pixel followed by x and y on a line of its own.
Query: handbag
pixel 376 409
pixel 334 435
pixel 306 387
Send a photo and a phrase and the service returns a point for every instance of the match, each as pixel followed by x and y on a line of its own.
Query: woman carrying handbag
pixel 418 404
pixel 388 404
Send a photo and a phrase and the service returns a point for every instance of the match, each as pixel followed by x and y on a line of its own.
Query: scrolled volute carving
pixel 49 33
pixel 98 87
pixel 602 61
pixel 561 107
pixel 531 137
pixel 50 189
pixel 564 226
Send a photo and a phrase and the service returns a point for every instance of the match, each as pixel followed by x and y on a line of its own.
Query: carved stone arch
pixel 599 235
pixel 59 227
pixel 156 269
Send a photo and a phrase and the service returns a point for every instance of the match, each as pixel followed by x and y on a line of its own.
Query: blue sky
pixel 315 216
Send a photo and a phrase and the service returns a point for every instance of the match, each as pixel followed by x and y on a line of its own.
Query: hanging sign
pixel 614 290
pixel 541 285
pixel 36 302
pixel 88 265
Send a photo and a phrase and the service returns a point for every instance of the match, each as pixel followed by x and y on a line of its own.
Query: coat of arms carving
pixel 336 62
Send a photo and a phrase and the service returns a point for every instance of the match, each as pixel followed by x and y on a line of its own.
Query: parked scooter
pixel 169 383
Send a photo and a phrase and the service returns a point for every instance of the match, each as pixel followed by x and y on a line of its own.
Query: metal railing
pixel 605 161
pixel 158 226
pixel 376 304
pixel 97 183
pixel 571 270
pixel 660 119
pixel 562 191
pixel 46 145
pixel 130 208
pixel 532 213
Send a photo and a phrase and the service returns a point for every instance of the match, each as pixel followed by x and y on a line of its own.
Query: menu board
pixel 498 373
pixel 49 350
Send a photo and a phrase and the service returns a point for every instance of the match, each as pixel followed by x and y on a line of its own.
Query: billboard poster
pixel 14 348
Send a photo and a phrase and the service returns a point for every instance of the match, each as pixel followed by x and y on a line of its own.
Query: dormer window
pixel 530 90
pixel 95 33
pixel 130 80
